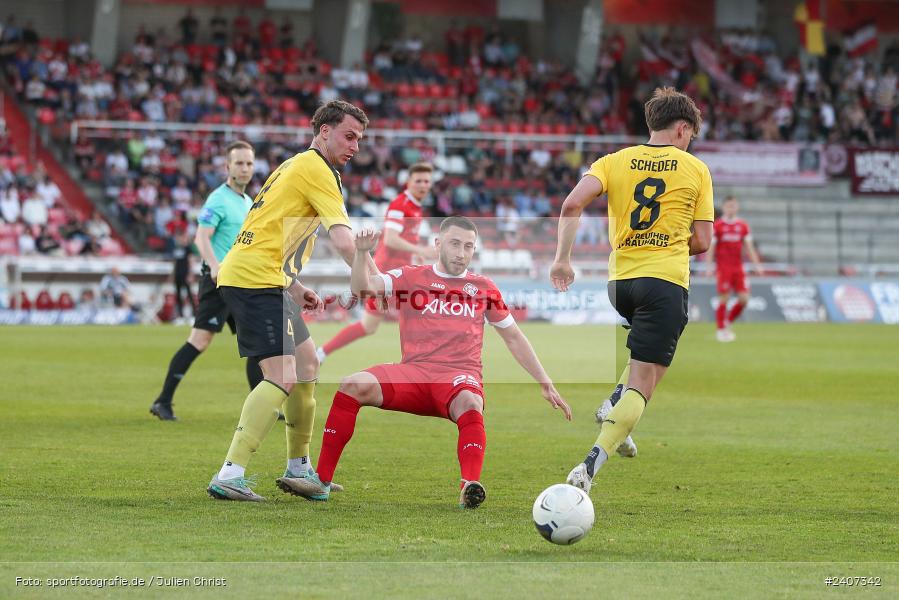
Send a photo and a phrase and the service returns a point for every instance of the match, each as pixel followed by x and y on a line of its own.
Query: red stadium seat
pixel 289 105
pixel 21 302
pixel 44 301
pixel 419 89
pixel 167 312
pixel 65 301
pixel 46 116
pixel 56 216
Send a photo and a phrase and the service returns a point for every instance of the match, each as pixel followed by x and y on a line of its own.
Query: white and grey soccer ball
pixel 563 514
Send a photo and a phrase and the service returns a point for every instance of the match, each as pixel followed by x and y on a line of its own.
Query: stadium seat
pixel 166 313
pixel 44 301
pixel 65 301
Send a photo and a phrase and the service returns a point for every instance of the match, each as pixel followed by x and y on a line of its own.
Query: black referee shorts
pixel 212 314
pixel 657 312
pixel 268 321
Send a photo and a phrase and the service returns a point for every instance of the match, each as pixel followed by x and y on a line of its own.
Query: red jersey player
pixel 443 308
pixel 399 242
pixel 731 235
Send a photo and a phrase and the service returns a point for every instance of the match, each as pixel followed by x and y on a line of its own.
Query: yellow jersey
pixel 655 194
pixel 279 232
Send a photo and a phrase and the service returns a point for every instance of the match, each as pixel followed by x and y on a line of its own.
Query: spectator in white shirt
pixel 117 160
pixel 48 191
pixel 10 209
pixel 26 243
pixel 97 227
pixel 34 211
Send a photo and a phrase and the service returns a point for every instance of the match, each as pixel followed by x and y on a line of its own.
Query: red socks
pixel 721 314
pixel 347 335
pixel 472 441
pixel 735 312
pixel 338 431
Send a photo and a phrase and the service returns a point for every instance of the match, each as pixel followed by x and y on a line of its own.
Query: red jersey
pixel 404 215
pixel 729 237
pixel 442 317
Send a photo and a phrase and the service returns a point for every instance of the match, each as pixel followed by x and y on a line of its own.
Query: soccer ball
pixel 563 514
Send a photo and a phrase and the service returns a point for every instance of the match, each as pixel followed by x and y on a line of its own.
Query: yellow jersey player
pixel 259 282
pixel 660 213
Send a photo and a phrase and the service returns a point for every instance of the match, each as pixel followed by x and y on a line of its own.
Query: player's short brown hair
pixel 460 222
pixel 333 113
pixel 238 145
pixel 667 106
pixel 421 167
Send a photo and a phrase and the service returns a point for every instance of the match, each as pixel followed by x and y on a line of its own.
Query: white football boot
pixel 725 335
pixel 579 478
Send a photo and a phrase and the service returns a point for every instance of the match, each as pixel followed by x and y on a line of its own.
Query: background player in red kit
pixel 731 235
pixel 399 242
pixel 443 308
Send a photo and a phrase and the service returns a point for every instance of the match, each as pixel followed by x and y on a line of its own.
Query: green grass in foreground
pixel 779 448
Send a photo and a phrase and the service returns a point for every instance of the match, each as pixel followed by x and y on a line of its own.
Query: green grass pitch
pixel 764 466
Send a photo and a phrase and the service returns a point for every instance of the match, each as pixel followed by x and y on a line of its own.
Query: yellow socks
pixel 299 415
pixel 260 411
pixel 621 421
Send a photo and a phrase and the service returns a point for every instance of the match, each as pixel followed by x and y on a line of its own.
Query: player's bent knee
pixel 200 339
pixel 280 370
pixel 464 402
pixel 362 387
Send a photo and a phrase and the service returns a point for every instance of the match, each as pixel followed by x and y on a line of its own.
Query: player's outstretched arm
pixel 343 241
pixel 588 188
pixel 520 347
pixel 365 278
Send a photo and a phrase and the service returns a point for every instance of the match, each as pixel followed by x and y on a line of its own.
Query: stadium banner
pixel 762 307
pixel 748 163
pixel 874 170
pixel 80 316
pixel 857 301
pixel 586 302
pixel 790 301
pixel 799 302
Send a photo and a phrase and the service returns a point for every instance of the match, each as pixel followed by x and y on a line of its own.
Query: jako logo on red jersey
pixel 450 309
pixel 439 286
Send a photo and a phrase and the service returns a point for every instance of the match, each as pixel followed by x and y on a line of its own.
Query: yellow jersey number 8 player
pixel 259 281
pixel 660 213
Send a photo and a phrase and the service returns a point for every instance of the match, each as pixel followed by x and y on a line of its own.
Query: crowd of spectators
pixel 34 219
pixel 248 75
pixel 748 91
pixel 480 79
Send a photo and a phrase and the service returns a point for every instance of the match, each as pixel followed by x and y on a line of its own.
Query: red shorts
pixel 423 389
pixel 732 280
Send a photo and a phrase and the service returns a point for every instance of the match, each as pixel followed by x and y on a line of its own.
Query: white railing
pixel 440 139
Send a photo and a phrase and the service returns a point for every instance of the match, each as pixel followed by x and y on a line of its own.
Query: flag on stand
pixel 861 40
pixel 810 21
